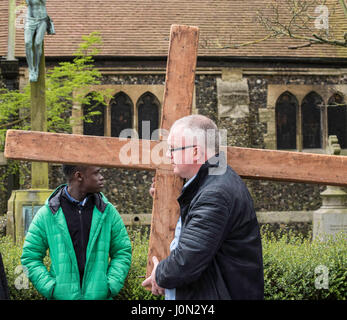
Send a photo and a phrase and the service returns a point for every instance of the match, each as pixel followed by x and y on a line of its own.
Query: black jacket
pixel 78 219
pixel 219 254
pixel 4 292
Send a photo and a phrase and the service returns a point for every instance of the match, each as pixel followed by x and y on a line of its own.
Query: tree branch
pixel 14 122
pixel 296 24
pixel 236 46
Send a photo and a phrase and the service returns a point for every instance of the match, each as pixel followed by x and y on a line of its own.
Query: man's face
pixel 182 160
pixel 92 180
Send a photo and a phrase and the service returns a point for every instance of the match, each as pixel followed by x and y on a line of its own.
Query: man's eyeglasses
pixel 171 150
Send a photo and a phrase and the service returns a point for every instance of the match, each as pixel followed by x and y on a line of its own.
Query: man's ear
pixel 78 176
pixel 199 154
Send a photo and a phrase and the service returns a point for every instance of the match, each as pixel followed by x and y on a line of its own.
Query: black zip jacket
pixel 78 219
pixel 219 254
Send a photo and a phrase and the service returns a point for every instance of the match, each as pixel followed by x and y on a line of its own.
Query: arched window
pixel 311 120
pixel 121 113
pixel 95 126
pixel 337 119
pixel 148 110
pixel 286 109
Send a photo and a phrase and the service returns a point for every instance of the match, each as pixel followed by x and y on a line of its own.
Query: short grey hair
pixel 203 128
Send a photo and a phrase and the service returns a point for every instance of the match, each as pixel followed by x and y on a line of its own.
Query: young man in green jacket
pixel 88 243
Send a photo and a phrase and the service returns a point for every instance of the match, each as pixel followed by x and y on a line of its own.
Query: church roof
pixel 140 28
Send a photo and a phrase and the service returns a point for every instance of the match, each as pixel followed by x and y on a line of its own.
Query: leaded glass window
pixel 286 110
pixel 148 116
pixel 337 119
pixel 121 113
pixel 95 126
pixel 311 120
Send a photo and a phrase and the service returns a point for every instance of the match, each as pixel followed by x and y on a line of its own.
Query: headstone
pixel 331 217
pixel 22 207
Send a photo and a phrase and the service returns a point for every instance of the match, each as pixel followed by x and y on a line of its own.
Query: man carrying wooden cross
pixel 217 252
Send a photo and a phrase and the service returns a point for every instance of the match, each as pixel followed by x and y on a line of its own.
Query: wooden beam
pixel 177 103
pixel 165 213
pixel 247 162
pixel 80 149
pixel 288 166
pixel 180 74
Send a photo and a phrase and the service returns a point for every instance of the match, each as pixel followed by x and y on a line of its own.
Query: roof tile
pixel 141 28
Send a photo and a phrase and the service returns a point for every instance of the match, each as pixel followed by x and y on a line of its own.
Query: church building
pixel 271 93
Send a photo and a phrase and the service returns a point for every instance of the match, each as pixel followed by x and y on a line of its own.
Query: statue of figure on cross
pixel 36 25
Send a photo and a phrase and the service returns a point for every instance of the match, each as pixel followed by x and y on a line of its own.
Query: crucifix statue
pixel 178 98
pixel 36 24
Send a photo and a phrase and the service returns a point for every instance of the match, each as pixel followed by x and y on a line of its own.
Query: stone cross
pixel 39 170
pixel 178 97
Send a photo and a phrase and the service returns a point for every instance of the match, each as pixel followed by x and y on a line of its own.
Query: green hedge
pixel 19 286
pixel 132 289
pixel 294 268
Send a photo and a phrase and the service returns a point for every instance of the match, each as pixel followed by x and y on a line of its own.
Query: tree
pixel 64 84
pixel 312 21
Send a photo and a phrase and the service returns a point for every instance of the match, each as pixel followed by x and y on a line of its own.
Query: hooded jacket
pixel 108 253
pixel 219 253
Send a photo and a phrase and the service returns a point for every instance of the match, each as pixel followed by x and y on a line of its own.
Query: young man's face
pixel 92 180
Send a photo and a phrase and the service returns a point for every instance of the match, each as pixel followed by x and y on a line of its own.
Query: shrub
pixel 295 268
pixel 132 289
pixel 22 289
pixel 19 286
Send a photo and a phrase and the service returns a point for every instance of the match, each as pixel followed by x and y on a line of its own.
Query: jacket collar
pixel 215 165
pixel 54 200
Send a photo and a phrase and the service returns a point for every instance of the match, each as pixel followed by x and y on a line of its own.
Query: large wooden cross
pixel 178 97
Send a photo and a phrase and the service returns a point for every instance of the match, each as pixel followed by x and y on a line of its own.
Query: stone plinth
pixel 331 217
pixel 22 207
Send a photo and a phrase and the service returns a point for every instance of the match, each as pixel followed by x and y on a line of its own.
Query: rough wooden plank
pixel 165 214
pixel 180 74
pixel 247 162
pixel 79 149
pixel 178 100
pixel 288 166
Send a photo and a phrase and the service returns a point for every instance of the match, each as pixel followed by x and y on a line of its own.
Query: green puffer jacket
pixel 108 253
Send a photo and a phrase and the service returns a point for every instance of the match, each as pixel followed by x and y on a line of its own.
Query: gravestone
pixel 331 217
